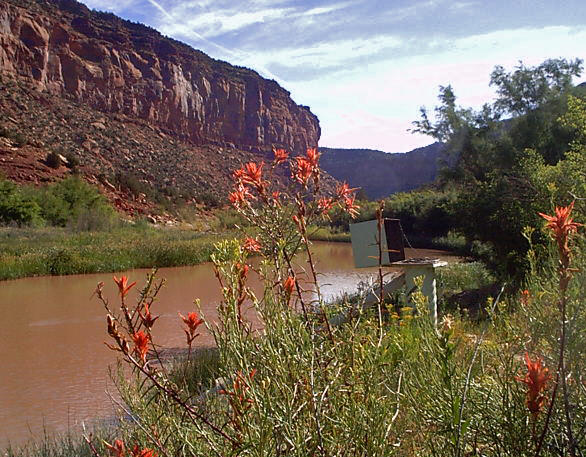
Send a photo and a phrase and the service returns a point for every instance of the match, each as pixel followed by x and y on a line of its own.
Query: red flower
pixel 141 344
pixel 117 449
pixel 148 320
pixel 562 226
pixel 280 155
pixel 351 207
pixel 238 174
pixel 303 170
pixel 525 296
pixel 123 286
pixel 192 321
pixel 289 285
pixel 325 204
pixel 299 221
pixel 252 244
pixel 240 387
pixel 240 196
pixel 251 174
pixel 343 190
pixel 242 269
pixel 536 379
pixel 313 158
pixel 146 452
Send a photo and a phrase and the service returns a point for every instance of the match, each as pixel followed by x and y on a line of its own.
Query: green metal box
pixel 365 246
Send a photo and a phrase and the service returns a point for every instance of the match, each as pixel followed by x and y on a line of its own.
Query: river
pixel 52 355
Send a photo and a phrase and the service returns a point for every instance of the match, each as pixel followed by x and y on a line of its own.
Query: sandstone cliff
pixel 120 67
pixel 146 117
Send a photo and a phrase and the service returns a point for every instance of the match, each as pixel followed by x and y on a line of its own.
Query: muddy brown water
pixel 53 361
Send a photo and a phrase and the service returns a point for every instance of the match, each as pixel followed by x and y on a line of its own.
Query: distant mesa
pixel 381 174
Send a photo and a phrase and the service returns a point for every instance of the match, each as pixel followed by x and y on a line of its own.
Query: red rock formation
pixel 119 67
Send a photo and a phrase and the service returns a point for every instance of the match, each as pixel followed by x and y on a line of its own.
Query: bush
pixel 209 199
pixel 17 208
pixel 18 138
pixel 72 160
pixel 53 160
pixel 71 200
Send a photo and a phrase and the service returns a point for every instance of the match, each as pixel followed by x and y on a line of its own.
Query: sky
pixel 365 67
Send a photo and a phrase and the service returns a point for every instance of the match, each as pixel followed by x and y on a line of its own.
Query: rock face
pixel 381 174
pixel 116 66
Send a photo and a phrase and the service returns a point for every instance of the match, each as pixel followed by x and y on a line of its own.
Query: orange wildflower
pixel 351 207
pixel 240 196
pixel 141 344
pixel 276 195
pixel 343 190
pixel 536 378
pixel 147 319
pixel 251 174
pixel 242 269
pixel 123 286
pixel 146 452
pixel 562 226
pixel 240 387
pixel 192 321
pixel 281 155
pixel 289 285
pixel 299 221
pixel 525 296
pixel 313 158
pixel 325 204
pixel 252 244
pixel 117 449
pixel 303 170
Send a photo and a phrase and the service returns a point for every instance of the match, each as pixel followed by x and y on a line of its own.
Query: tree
pixel 502 165
pixel 527 88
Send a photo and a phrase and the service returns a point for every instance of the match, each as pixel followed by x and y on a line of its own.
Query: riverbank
pixel 452 242
pixel 56 251
pixel 26 252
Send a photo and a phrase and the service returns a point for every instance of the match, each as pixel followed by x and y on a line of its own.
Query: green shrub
pixel 53 160
pixel 16 207
pixel 209 199
pixel 71 199
pixel 72 160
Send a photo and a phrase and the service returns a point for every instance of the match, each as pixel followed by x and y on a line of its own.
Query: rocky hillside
pixel 126 102
pixel 379 173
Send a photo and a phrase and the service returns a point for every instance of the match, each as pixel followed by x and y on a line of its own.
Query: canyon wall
pixel 117 66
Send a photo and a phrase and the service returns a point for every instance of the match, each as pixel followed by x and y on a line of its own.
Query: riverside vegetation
pixel 69 228
pixel 388 382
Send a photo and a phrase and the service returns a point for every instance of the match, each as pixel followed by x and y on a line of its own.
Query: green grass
pixel 328 234
pixel 67 445
pixel 58 251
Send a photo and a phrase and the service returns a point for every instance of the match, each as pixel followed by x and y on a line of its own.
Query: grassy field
pixel 59 251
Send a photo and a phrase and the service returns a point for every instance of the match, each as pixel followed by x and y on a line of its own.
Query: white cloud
pixel 326 9
pixel 379 101
pixel 327 54
pixel 213 23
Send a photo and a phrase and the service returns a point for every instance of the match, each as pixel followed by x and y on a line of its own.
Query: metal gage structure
pixel 365 249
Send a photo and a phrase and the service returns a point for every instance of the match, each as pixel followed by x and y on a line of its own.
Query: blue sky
pixel 366 66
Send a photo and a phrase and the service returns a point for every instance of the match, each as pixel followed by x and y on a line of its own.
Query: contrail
pixel 236 53
pixel 160 8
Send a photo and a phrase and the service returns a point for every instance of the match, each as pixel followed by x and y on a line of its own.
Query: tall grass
pixel 59 251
